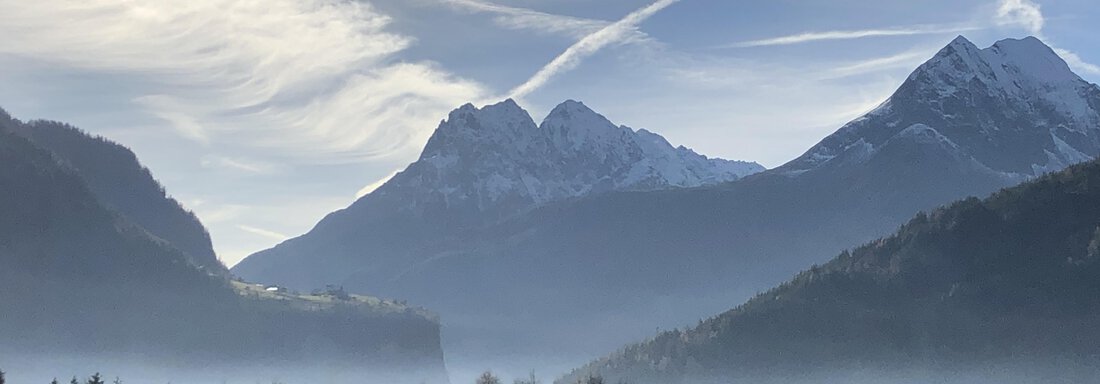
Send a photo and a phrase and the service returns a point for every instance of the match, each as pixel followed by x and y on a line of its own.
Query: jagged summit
pixel 500 124
pixel 1010 65
pixel 495 157
pixel 1015 108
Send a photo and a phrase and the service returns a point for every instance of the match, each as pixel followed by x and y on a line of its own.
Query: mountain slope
pixel 479 167
pixel 79 282
pixel 119 181
pixel 973 287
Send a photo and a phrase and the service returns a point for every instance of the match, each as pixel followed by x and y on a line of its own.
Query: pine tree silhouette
pixel 96 379
pixel 74 381
pixel 1 377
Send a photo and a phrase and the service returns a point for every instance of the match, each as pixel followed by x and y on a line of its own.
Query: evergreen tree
pixel 1 377
pixel 488 378
pixel 74 381
pixel 96 379
pixel 54 381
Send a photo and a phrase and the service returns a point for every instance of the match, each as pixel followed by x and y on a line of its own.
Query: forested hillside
pixel 1009 284
pixel 114 175
pixel 78 281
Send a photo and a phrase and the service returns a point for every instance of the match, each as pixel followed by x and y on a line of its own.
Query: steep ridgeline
pixel 81 283
pixel 1005 289
pixel 966 123
pixel 482 166
pixel 1014 109
pixel 120 182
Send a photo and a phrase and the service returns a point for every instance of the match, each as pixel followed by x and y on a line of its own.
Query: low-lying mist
pixel 136 369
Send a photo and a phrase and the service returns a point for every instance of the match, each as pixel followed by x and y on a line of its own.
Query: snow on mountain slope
pixel 1015 107
pixel 497 158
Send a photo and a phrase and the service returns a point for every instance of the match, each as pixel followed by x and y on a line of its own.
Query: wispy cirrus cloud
pixel 808 37
pixel 237 164
pixel 523 18
pixel 1025 14
pixel 1076 62
pixel 310 80
pixel 613 33
pixel 376 184
pixel 263 232
pixel 907 59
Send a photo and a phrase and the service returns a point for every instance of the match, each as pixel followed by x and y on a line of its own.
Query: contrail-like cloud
pixel 589 45
pixel 907 59
pixel 848 35
pixel 523 18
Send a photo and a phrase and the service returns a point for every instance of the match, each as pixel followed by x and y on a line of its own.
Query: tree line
pixel 489 378
pixel 94 379
pixel 486 378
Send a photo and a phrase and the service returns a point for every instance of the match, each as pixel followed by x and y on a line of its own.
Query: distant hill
pixel 1005 289
pixel 81 282
pixel 114 175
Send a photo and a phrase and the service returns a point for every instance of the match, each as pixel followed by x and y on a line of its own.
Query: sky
pixel 262 116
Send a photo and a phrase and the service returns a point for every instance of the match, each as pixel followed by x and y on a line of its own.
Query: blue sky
pixel 262 116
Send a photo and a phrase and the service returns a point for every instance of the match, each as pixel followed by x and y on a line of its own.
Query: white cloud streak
pixel 849 35
pixel 237 164
pixel 589 45
pixel 523 18
pixel 908 59
pixel 263 232
pixel 1024 14
pixel 316 80
pixel 1077 63
pixel 375 185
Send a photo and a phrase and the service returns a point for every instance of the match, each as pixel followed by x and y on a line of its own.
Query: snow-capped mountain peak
pixel 1014 108
pixel 1017 66
pixel 496 158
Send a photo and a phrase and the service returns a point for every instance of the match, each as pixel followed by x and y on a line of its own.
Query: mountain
pixel 1005 289
pixel 83 286
pixel 967 122
pixel 120 182
pixel 482 166
pixel 1014 108
pixel 497 157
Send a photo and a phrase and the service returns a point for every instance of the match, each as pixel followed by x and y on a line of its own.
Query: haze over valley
pixel 376 191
